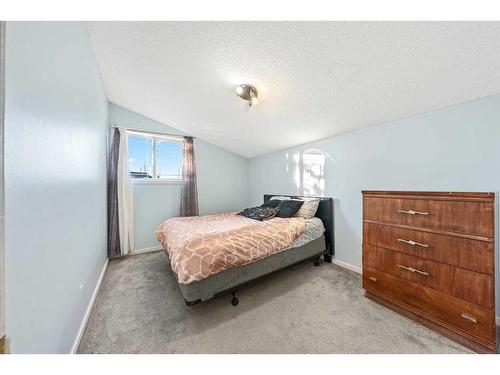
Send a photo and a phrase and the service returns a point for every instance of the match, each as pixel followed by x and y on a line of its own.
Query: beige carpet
pixel 303 309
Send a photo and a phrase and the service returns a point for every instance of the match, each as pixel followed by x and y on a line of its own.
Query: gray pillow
pixel 289 207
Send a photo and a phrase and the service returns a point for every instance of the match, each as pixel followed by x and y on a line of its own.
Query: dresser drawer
pixel 466 253
pixel 471 286
pixel 435 306
pixel 457 216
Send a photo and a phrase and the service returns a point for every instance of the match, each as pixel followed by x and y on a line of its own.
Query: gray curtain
pixel 113 232
pixel 189 193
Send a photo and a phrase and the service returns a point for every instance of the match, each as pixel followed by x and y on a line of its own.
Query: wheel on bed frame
pixel 234 300
pixel 316 261
pixel 191 303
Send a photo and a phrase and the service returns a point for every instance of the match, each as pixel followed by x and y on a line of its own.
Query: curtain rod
pixel 147 131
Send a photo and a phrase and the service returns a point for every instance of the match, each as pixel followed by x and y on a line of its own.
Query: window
pixel 313 173
pixel 154 158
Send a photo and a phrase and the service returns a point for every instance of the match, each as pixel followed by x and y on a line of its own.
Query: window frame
pixel 154 137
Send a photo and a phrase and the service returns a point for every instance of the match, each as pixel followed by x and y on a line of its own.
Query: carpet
pixel 303 309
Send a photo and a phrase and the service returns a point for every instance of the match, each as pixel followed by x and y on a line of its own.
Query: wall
pixel 2 267
pixel 55 183
pixel 222 181
pixel 456 149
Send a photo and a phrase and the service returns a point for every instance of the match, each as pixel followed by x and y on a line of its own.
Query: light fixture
pixel 248 93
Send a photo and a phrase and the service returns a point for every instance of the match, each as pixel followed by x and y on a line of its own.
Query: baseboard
pixel 347 266
pixel 78 338
pixel 145 250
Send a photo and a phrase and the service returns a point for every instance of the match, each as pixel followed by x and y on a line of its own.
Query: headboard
pixel 325 213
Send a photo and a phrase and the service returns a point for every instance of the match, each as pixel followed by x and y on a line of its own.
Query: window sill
pixel 145 181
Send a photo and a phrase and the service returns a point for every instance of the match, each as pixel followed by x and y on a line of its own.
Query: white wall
pixel 454 149
pixel 222 181
pixel 55 183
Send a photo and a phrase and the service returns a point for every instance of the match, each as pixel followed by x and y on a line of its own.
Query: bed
pixel 227 251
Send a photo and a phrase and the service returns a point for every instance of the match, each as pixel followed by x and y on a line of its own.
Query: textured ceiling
pixel 316 79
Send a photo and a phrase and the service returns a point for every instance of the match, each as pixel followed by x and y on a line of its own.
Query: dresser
pixel 431 257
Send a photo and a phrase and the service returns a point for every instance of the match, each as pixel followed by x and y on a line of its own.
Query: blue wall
pixel 454 149
pixel 55 183
pixel 55 176
pixel 222 181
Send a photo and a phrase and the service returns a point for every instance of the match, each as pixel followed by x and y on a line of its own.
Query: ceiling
pixel 315 79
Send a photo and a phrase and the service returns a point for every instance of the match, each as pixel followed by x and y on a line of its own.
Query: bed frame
pixel 229 281
pixel 325 213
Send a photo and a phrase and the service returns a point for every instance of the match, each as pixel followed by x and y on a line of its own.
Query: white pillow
pixel 308 208
pixel 280 198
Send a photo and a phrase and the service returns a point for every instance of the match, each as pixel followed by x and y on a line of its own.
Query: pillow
pixel 259 213
pixel 309 208
pixel 288 208
pixel 271 203
pixel 280 198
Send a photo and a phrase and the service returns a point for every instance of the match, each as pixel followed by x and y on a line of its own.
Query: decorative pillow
pixel 288 208
pixel 259 213
pixel 271 203
pixel 309 208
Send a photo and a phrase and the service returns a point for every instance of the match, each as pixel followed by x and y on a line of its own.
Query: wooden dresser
pixel 430 256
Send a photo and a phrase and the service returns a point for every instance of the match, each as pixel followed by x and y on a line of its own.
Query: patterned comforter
pixel 201 246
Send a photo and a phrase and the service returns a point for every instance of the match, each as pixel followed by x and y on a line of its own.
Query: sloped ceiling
pixel 316 79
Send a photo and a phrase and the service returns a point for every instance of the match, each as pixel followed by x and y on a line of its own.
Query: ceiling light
pixel 248 93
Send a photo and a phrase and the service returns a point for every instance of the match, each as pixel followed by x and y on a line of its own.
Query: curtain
pixel 120 199
pixel 113 233
pixel 125 198
pixel 189 192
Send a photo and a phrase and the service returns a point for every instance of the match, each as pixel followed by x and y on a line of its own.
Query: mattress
pixel 202 246
pixel 314 229
pixel 311 243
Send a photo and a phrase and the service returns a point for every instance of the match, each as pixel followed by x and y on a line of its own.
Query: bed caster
pixel 234 300
pixel 191 303
pixel 316 261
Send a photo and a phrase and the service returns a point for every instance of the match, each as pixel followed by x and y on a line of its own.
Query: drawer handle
pixel 411 212
pixel 469 318
pixel 414 270
pixel 373 278
pixel 413 243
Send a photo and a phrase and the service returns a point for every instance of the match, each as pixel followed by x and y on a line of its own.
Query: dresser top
pixel 432 193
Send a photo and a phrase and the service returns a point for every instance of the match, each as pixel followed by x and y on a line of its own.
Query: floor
pixel 303 309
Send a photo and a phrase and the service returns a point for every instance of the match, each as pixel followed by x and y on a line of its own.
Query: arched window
pixel 313 172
